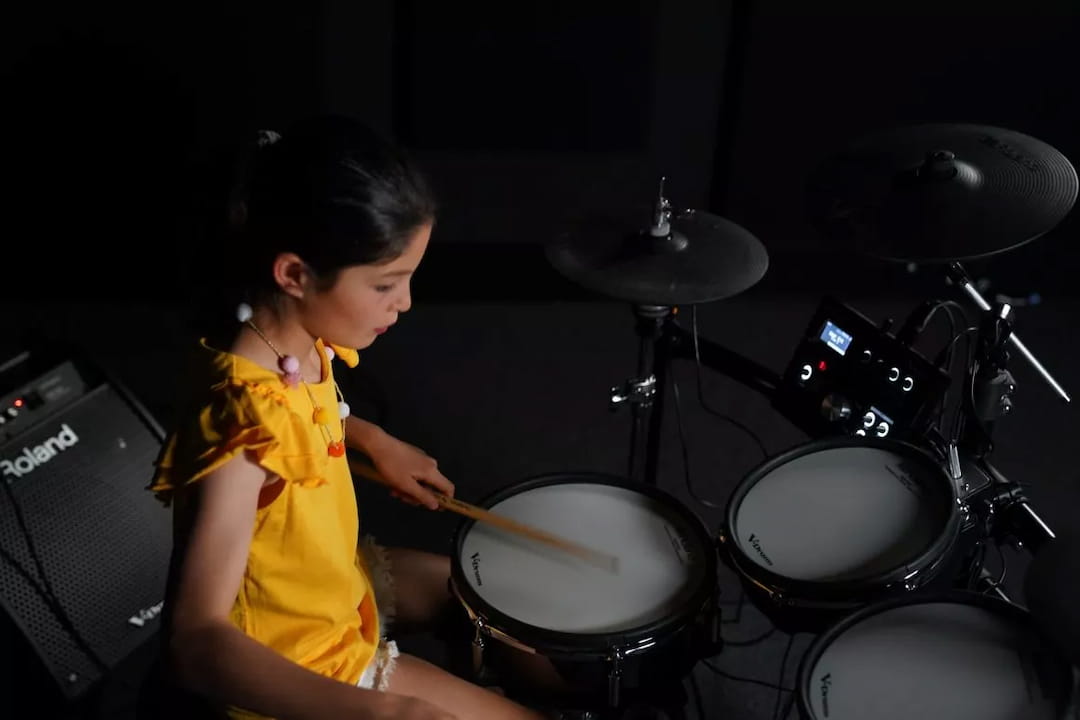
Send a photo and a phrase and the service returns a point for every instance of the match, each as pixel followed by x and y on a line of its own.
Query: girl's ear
pixel 291 275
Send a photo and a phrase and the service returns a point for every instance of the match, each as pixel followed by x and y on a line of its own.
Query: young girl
pixel 273 609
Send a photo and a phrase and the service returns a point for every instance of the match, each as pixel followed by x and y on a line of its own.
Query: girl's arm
pixel 402 467
pixel 215 659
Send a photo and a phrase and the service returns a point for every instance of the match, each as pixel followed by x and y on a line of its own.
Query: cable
pixel 978 552
pixel 948 351
pixel 701 393
pixel 780 680
pixel 995 584
pixel 736 604
pixel 737 618
pixel 49 595
pixel 699 702
pixel 30 579
pixel 945 359
pixel 949 306
pixel 752 641
pixel 957 427
pixel 974 416
pixel 685 450
pixel 1004 568
pixel 790 705
pixel 977 563
pixel 939 359
pixel 739 678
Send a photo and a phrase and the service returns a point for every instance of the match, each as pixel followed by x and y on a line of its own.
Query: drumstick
pixel 600 559
pixel 595 557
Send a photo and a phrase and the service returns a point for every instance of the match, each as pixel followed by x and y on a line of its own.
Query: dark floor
pixel 503 392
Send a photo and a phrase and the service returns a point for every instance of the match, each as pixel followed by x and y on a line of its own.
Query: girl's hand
pixel 406 470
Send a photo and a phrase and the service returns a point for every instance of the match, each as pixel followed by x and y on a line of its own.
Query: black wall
pixel 116 115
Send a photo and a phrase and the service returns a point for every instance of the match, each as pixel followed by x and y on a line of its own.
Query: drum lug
pixel 484 631
pixel 478 632
pixel 478 643
pixel 966 517
pixel 615 659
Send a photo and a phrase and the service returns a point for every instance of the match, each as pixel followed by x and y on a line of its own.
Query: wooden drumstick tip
pixel 611 564
pixel 596 558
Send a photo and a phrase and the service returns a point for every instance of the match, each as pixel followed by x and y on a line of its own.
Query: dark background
pixel 527 115
pixel 117 117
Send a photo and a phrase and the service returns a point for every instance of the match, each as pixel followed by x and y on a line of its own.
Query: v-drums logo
pixel 476 567
pixel 33 457
pixel 145 615
pixel 756 542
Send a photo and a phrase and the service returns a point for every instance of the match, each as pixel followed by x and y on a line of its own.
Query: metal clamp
pixel 635 391
pixel 959 276
pixel 615 659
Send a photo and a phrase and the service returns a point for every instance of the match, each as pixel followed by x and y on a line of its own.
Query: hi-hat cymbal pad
pixel 703 258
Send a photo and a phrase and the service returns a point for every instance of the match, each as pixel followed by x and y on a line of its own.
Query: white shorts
pixel 377 674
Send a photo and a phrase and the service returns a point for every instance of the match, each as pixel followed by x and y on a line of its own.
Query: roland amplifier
pixel 84 547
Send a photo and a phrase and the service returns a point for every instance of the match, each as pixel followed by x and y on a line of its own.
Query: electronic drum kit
pixel 872 535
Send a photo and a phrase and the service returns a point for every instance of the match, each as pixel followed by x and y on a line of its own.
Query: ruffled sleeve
pixel 241 416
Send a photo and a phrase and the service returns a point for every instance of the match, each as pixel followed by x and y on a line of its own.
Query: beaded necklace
pixel 290 369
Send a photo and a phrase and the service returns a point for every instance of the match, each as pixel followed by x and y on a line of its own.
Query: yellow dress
pixel 306 591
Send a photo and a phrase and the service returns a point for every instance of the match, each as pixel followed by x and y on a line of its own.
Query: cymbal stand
pixel 661 340
pixel 987 397
pixel 1004 516
pixel 988 384
pixel 958 276
pixel 645 392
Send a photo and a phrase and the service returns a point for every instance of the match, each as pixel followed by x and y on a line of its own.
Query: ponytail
pixel 220 263
pixel 243 171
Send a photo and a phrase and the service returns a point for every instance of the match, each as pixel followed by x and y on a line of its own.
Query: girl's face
pixel 366 299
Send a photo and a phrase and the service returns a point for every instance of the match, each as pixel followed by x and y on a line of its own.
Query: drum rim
pixel 557 641
pixel 844 589
pixel 955 597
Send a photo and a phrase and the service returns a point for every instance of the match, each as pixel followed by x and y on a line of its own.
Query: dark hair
pixel 332 191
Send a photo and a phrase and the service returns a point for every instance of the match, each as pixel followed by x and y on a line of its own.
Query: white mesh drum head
pixel 659 564
pixel 841 514
pixel 935 661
